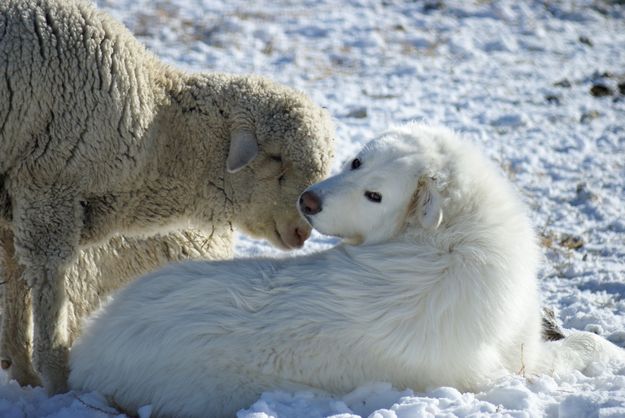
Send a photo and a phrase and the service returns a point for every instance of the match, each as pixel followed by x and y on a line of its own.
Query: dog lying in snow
pixel 440 290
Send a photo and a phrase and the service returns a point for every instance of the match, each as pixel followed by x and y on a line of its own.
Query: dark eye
pixel 276 158
pixel 355 164
pixel 373 196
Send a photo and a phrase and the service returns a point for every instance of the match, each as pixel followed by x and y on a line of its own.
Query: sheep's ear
pixel 243 149
pixel 428 209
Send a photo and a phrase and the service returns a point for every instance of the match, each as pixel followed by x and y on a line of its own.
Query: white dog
pixel 441 290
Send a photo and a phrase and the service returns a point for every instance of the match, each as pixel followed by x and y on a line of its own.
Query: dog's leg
pixel 16 337
pixel 47 223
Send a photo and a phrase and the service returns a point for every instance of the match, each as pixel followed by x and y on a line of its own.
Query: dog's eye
pixel 355 164
pixel 373 196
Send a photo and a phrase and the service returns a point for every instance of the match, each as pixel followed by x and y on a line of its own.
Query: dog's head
pixel 396 181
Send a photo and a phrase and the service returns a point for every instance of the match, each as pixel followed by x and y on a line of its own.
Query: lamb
pixel 90 279
pixel 435 285
pixel 98 137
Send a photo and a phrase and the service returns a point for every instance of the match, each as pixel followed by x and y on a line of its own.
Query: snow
pixel 512 76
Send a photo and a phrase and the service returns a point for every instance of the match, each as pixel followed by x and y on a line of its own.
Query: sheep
pixel 434 285
pixel 90 279
pixel 98 137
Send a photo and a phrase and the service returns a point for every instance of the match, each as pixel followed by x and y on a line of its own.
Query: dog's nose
pixel 309 203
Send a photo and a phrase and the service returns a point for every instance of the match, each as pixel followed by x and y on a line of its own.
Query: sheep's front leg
pixel 47 226
pixel 16 338
pixel 50 336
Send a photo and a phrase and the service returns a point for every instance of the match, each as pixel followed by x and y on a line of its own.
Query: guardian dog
pixel 434 285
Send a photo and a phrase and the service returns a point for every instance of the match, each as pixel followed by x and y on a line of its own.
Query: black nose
pixel 309 203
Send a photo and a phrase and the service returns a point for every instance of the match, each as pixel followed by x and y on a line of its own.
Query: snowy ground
pixel 513 76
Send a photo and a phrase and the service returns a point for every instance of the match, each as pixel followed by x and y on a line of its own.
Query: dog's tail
pixel 581 351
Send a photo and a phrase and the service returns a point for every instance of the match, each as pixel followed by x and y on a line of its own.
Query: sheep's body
pixel 91 278
pixel 98 137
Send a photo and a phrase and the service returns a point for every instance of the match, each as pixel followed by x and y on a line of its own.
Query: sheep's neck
pixel 181 181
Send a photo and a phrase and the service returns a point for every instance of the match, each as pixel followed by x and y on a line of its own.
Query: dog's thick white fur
pixel 441 290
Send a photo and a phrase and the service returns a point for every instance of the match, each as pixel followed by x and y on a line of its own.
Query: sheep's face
pixel 272 210
pixel 295 149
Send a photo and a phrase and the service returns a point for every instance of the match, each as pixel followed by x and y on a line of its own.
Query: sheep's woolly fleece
pixel 98 136
pixel 538 83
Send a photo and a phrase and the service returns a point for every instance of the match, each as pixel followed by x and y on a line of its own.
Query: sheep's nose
pixel 309 203
pixel 302 234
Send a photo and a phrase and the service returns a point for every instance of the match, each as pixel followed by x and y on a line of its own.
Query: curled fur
pixel 99 138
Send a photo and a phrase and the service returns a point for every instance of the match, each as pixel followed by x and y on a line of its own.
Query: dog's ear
pixel 428 204
pixel 243 149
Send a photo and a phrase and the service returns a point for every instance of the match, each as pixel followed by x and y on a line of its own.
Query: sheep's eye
pixel 374 196
pixel 276 158
pixel 356 164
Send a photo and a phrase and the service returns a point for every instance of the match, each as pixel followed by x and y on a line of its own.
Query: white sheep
pixel 90 279
pixel 98 137
pixel 441 291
